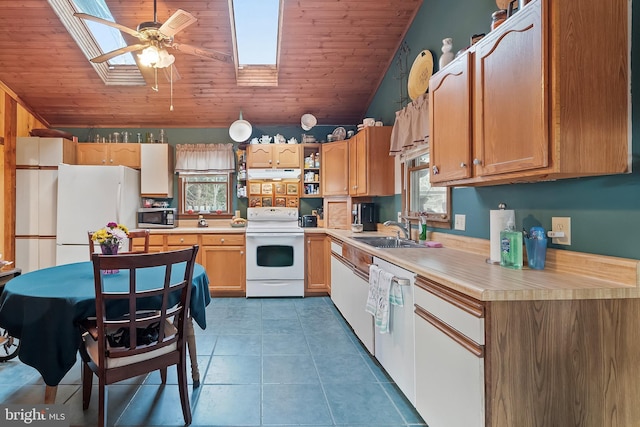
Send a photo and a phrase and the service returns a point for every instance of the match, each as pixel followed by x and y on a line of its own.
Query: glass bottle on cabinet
pixel 311 171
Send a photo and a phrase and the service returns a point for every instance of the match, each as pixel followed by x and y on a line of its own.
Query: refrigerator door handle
pixel 118 202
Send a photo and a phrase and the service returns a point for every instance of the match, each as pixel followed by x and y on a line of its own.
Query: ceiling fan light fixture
pixel 149 56
pixel 165 59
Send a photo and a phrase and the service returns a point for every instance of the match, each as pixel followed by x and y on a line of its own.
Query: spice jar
pixel 497 18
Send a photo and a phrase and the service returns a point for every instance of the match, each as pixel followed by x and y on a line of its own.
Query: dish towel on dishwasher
pixel 380 296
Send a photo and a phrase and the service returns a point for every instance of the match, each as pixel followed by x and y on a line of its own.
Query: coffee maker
pixel 365 214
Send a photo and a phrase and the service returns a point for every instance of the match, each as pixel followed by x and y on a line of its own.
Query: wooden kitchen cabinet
pixel 335 168
pixel 156 170
pixel 316 264
pixel 279 156
pixel 449 98
pixel 557 111
pixel 371 169
pixel 223 257
pixel 108 154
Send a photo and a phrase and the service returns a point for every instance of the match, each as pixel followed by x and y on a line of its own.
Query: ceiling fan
pixel 155 37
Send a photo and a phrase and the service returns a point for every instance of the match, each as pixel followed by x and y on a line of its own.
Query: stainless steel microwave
pixel 157 218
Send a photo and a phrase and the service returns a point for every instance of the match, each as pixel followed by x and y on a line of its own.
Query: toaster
pixel 309 221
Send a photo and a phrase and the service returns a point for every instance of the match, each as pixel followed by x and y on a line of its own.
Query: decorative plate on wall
pixel 420 74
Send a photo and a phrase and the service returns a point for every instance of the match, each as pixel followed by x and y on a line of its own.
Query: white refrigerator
pixel 89 197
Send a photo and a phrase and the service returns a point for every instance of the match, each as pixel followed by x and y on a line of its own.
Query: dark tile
pixel 343 368
pixel 281 326
pixel 228 405
pixel 234 370
pixel 361 404
pixel 406 409
pixel 152 405
pixel 285 344
pixel 330 343
pixel 297 369
pixel 238 345
pixel 294 404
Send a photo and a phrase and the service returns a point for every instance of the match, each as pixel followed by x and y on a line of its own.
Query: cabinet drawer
pixel 156 240
pixel 463 313
pixel 182 239
pixel 223 239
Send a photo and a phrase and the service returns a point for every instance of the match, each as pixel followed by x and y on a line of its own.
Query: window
pixel 420 198
pixel 206 194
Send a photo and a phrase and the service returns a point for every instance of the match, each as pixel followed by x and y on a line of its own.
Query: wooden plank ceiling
pixel 334 54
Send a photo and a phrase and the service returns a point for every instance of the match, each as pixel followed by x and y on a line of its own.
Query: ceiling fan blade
pixel 177 22
pixel 109 23
pixel 210 54
pixel 173 74
pixel 107 56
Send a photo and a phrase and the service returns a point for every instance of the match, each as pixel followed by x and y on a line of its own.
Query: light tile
pixel 361 404
pixel 228 405
pixel 297 369
pixel 285 344
pixel 234 370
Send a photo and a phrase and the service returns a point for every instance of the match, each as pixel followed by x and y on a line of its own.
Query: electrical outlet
pixel 460 222
pixel 561 224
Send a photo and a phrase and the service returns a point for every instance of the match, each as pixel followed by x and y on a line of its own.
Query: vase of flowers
pixel 110 239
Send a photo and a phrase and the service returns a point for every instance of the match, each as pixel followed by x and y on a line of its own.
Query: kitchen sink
pixel 388 242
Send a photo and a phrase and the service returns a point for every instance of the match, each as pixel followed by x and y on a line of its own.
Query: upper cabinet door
pixel 450 101
pixel 259 156
pixel 286 156
pixel 335 168
pixel 511 97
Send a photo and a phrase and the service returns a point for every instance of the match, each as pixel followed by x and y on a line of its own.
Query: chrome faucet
pixel 404 228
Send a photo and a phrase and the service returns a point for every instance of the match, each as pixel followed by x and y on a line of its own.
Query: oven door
pixel 275 256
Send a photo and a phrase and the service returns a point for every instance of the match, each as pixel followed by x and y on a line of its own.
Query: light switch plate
pixel 562 224
pixel 460 222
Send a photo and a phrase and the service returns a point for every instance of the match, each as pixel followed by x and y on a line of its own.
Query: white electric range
pixel 275 253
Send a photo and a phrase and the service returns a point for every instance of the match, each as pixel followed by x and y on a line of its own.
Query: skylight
pixel 256 28
pixel 108 38
pixel 95 39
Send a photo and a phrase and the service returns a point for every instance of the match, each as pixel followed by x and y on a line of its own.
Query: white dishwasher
pixel 395 350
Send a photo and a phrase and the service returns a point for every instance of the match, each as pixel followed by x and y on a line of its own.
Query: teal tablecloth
pixel 43 309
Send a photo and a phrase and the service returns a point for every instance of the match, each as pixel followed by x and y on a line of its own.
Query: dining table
pixel 45 309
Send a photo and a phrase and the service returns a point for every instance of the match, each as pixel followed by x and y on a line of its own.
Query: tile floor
pixel 275 362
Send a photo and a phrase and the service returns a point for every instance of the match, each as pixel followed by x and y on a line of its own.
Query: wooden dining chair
pixel 135 236
pixel 126 344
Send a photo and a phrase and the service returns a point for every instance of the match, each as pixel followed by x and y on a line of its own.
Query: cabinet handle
pixel 344 189
pixel 463 165
pixel 241 252
pixel 221 240
pixel 110 160
pixel 277 161
pixel 270 162
pixel 435 170
pixel 477 162
pixel 181 240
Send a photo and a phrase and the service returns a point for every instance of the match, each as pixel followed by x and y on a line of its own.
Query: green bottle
pixel 511 247
pixel 423 230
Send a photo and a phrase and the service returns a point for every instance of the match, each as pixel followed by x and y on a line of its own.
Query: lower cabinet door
pixel 449 379
pixel 225 266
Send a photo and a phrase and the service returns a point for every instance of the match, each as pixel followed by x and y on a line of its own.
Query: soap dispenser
pixel 511 247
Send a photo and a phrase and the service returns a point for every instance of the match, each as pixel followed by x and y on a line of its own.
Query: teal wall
pixel 604 211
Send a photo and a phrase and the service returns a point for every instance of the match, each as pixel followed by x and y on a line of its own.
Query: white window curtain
pixel 204 158
pixel 411 128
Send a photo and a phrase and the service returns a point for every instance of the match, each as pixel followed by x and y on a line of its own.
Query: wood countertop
pixel 567 275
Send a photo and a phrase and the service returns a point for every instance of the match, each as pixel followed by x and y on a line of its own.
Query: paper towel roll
pixel 498 220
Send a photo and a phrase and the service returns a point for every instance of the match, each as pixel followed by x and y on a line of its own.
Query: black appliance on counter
pixel 309 221
pixel 365 214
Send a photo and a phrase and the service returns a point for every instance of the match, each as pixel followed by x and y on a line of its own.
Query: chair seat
pixel 114 362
